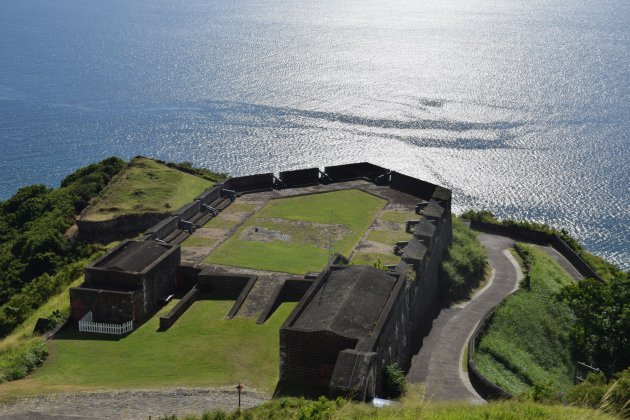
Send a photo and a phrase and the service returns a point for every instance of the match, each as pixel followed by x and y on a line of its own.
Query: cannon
pixel 410 225
pixel 209 209
pixel 231 194
pixel 278 184
pixel 187 226
pixel 421 206
pixel 399 247
pixel 324 178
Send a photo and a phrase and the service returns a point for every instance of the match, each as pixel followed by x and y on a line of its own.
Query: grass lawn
pixel 297 231
pixel 201 349
pixel 388 237
pixel 146 186
pixel 196 241
pixel 398 216
pixel 527 341
pixel 371 258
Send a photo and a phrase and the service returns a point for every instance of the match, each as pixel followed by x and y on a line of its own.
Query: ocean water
pixel 521 107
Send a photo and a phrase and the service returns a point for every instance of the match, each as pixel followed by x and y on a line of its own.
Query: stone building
pixel 127 283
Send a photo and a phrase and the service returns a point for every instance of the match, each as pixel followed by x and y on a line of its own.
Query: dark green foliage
pixel 612 396
pixel 464 263
pixel 18 362
pixel 56 318
pixel 34 246
pixel 394 381
pixel 525 347
pixel 603 268
pixel 601 333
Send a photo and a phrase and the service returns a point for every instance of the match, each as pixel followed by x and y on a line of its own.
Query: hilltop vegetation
pixel 411 408
pixel 146 185
pixel 527 341
pixel 33 244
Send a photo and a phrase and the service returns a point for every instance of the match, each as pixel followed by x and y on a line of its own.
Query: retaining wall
pixel 185 302
pixel 121 227
pixel 210 195
pixel 222 284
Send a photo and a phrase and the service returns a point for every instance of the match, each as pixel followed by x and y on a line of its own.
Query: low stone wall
pixel 162 228
pixel 186 276
pixel 354 171
pixel 292 290
pixel 223 285
pixel 482 385
pixel 540 238
pixel 250 183
pixel 300 177
pixel 169 319
pixel 121 227
pixel 241 297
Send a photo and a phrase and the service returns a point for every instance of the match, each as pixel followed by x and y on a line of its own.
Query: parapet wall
pixel 300 177
pixel 224 285
pixel 412 186
pixel 250 183
pixel 541 238
pixel 354 171
pixel 124 226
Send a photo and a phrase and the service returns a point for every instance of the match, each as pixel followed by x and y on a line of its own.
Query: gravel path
pixel 129 404
pixel 439 363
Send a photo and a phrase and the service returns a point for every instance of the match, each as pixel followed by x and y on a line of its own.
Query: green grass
pixel 527 340
pixel 197 241
pixel 373 258
pixel 398 216
pixel 201 349
pixel 146 186
pixel 388 237
pixel 306 220
pixel 294 408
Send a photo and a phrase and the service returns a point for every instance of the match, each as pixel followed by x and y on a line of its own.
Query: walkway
pixel 439 363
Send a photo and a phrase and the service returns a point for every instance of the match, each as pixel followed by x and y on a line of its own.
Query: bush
pixel 394 381
pixel 464 264
pixel 612 397
pixel 16 363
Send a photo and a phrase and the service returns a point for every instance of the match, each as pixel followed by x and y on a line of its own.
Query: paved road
pixel 438 364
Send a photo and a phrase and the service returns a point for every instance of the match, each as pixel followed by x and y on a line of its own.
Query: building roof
pixel 133 256
pixel 349 302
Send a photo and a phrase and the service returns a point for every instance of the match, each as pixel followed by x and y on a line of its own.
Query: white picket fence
pixel 87 325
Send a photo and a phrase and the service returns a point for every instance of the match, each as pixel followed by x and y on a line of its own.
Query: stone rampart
pixel 300 177
pixel 120 227
pixel 250 183
pixel 355 171
pixel 412 186
pixel 188 211
pixel 292 290
pixel 224 285
pixel 210 195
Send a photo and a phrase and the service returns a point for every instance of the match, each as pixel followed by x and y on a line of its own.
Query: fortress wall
pixel 186 276
pixel 354 171
pixel 162 228
pixel 250 183
pixel 106 305
pixel 209 195
pixel 292 290
pixel 160 280
pixel 121 227
pixel 186 212
pixel 412 186
pixel 300 177
pixel 222 284
pixel 308 357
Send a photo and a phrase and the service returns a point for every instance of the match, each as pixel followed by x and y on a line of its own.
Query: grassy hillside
pixel 527 341
pixel 146 186
pixel 293 408
pixel 201 349
pixel 293 232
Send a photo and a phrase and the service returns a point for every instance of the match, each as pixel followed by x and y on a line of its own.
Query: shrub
pixel 17 362
pixel 463 266
pixel 394 381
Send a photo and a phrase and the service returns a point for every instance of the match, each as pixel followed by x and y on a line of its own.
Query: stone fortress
pixel 350 320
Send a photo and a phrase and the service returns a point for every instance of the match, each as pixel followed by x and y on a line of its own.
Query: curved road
pixel 439 363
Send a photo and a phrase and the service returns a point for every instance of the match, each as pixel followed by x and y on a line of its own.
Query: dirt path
pixel 129 404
